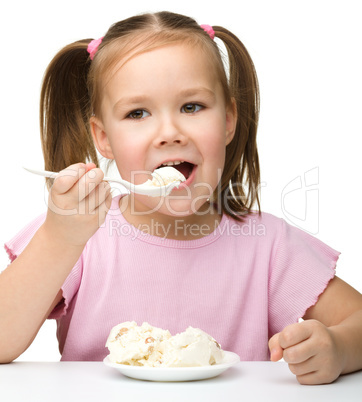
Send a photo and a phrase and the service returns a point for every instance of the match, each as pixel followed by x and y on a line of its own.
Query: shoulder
pixel 253 231
pixel 257 223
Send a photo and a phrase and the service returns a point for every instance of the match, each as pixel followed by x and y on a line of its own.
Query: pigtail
pixel 242 161
pixel 65 109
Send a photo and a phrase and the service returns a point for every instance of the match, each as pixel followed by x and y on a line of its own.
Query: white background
pixel 308 59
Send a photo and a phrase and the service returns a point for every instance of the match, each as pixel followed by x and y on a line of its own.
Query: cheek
pixel 214 147
pixel 129 157
pixel 213 132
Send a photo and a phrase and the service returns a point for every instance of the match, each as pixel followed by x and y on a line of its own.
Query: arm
pixel 30 286
pixel 329 342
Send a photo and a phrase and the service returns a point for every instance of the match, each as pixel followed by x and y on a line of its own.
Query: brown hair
pixel 72 91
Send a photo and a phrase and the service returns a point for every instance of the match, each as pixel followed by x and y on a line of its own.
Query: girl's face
pixel 161 107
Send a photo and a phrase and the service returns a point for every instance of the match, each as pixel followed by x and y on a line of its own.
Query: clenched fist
pixel 311 350
pixel 78 204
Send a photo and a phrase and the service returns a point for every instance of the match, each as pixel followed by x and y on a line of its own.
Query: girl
pixel 152 92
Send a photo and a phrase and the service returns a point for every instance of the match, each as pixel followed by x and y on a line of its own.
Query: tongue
pixel 185 168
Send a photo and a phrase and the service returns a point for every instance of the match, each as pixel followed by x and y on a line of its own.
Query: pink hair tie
pixel 208 29
pixel 93 47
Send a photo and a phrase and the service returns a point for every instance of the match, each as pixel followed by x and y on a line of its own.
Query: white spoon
pixel 163 182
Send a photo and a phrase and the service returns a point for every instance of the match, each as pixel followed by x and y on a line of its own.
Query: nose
pixel 169 133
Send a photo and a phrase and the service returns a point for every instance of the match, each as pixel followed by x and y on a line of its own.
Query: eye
pixel 191 108
pixel 138 114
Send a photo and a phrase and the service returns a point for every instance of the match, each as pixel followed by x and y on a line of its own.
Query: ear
pixel 231 119
pixel 100 138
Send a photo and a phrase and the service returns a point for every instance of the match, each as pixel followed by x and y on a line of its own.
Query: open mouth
pixel 183 167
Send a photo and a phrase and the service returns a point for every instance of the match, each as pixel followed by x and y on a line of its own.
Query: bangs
pixel 114 53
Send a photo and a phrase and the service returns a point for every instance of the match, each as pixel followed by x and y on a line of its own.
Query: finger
pixel 301 352
pixel 105 193
pixel 103 208
pixel 276 351
pixel 97 196
pixel 294 334
pixel 315 378
pixel 90 166
pixel 318 376
pixel 305 367
pixel 68 177
pixel 88 183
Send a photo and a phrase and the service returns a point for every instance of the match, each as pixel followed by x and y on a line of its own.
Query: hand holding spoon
pixel 164 180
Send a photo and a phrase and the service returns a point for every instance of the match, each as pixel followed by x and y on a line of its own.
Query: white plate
pixel 175 373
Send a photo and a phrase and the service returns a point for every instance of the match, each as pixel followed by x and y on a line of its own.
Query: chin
pixel 183 208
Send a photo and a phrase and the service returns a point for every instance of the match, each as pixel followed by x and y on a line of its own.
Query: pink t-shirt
pixel 241 284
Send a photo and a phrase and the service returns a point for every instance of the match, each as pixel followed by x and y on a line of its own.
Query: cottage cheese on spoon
pixel 165 175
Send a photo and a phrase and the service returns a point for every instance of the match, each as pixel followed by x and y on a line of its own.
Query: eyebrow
pixel 197 91
pixel 189 92
pixel 133 100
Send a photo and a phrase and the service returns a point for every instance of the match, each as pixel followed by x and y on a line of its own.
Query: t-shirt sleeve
pixel 301 268
pixel 17 244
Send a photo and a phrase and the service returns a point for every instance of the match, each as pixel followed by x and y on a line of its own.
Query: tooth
pixel 172 163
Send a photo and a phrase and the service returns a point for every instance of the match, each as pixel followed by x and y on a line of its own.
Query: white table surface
pixel 93 381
